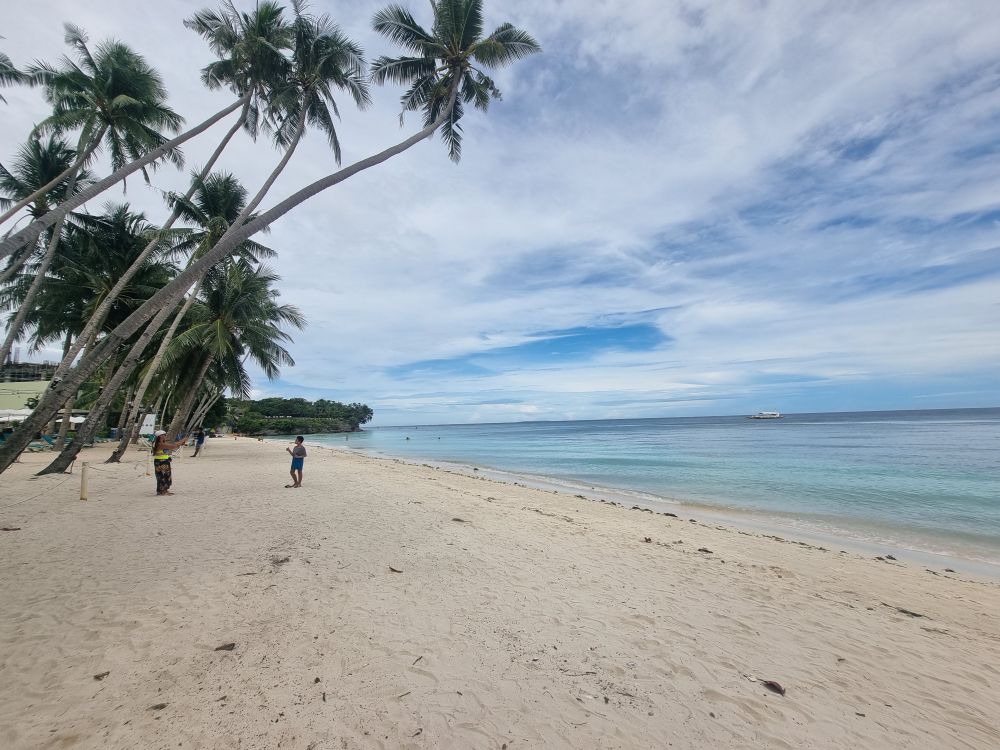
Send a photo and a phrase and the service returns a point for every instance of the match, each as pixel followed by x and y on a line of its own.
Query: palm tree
pixel 250 48
pixel 506 45
pixel 112 96
pixel 445 59
pixel 218 203
pixel 117 101
pixel 37 163
pixel 97 252
pixel 251 64
pixel 323 59
pixel 240 317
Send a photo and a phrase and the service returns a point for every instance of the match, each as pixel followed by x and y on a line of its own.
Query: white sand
pixel 538 620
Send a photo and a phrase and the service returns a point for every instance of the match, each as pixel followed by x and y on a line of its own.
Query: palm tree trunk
pixel 12 243
pixel 15 264
pixel 73 169
pixel 187 403
pixel 154 364
pixel 171 293
pixel 158 407
pixel 64 424
pixel 29 299
pixel 101 313
pixel 163 423
pixel 68 409
pixel 14 330
pixel 129 395
pixel 192 421
pixel 255 201
pixel 132 428
pixel 89 427
pixel 202 411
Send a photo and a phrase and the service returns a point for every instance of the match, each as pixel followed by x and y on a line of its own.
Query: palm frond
pixel 396 24
pixel 401 70
pixel 505 45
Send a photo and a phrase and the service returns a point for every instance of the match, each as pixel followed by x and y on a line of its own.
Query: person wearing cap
pixel 161 462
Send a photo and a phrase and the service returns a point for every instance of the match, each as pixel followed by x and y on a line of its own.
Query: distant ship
pixel 767 415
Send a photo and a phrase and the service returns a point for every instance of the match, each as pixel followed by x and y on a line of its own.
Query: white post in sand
pixel 83 481
pixel 149 462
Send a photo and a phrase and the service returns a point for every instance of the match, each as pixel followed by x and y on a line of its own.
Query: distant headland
pixel 288 416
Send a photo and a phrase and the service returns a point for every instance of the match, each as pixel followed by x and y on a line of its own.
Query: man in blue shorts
pixel 298 452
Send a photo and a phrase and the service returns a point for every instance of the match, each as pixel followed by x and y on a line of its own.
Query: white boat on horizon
pixel 767 415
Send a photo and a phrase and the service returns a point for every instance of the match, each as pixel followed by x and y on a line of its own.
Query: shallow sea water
pixel 925 480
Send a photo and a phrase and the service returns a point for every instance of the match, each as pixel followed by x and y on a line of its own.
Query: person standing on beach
pixel 199 442
pixel 298 452
pixel 161 462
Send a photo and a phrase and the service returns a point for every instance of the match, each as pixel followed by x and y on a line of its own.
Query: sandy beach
pixel 390 605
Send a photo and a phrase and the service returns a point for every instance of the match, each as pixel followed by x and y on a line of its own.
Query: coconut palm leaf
pixel 446 57
pixel 111 90
pixel 251 47
pixel 9 75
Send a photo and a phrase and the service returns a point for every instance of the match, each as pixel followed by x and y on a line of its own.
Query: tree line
pixel 284 416
pixel 163 315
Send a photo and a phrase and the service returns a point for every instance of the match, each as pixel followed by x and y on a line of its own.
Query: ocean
pixel 925 481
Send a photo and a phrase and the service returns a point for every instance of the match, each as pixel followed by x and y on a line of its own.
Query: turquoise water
pixel 925 480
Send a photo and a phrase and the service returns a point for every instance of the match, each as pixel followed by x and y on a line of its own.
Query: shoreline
pixel 388 604
pixel 767 523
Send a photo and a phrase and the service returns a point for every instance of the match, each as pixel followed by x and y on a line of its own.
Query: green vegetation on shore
pixel 287 416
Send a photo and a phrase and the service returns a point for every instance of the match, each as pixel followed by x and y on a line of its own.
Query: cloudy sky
pixel 690 207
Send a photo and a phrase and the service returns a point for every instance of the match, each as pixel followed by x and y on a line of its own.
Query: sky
pixel 678 208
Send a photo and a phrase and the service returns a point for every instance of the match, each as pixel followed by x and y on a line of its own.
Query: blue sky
pixel 679 208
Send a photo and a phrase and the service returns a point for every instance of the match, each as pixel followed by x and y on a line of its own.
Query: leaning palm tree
pixel 251 64
pixel 37 163
pixel 112 97
pixel 240 316
pixel 116 101
pixel 323 60
pixel 447 59
pixel 250 47
pixel 97 252
pixel 219 202
pixel 505 45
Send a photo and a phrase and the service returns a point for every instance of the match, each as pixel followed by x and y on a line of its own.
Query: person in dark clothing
pixel 199 442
